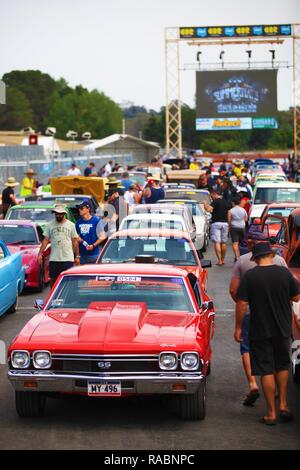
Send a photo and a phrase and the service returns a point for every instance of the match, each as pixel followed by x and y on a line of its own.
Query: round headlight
pixel 189 361
pixel 42 359
pixel 168 361
pixel 20 359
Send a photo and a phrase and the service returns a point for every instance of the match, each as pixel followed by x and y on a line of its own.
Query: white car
pixel 200 217
pixel 161 221
pixel 267 193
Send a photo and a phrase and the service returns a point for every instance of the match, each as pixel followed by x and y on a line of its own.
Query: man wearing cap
pixel 8 195
pixel 28 184
pixel 241 267
pixel 153 192
pixel 91 234
pixel 268 290
pixel 64 244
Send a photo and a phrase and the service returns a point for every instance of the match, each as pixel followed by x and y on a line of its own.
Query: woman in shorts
pixel 237 218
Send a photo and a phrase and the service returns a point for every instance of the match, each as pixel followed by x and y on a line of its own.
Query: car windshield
pixel 152 224
pixel 282 211
pixel 159 293
pixel 176 251
pixel 14 234
pixel 269 195
pixel 199 197
pixel 34 214
pixel 193 207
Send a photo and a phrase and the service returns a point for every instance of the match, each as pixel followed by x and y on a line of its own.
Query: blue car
pixel 12 279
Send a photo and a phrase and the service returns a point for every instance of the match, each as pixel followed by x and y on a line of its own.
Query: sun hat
pixel 30 171
pixel 154 178
pixel 261 249
pixel 59 209
pixel 113 180
pixel 11 182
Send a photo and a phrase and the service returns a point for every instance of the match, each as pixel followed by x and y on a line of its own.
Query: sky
pixel 117 46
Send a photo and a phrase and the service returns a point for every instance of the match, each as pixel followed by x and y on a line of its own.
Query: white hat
pixel 11 182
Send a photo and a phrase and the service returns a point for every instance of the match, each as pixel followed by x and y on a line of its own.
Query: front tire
pixel 192 407
pixel 30 404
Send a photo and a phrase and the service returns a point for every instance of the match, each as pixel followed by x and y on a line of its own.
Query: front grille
pixel 106 364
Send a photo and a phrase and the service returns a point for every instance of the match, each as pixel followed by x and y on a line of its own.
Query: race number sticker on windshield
pixel 39 210
pixel 105 278
pixel 108 389
pixel 129 279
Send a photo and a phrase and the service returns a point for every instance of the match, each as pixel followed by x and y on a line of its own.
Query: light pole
pixel 72 135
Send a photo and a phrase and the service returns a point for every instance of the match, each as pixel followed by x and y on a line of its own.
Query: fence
pixel 17 164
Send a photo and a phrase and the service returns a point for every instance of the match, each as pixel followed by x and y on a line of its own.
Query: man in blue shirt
pixel 91 234
pixel 126 182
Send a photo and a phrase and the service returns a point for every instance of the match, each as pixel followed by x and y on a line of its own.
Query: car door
pixel 207 317
pixel 281 243
pixel 7 288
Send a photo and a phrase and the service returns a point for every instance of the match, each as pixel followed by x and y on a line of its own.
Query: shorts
pixel 237 234
pixel 269 355
pixel 57 267
pixel 219 232
pixel 88 259
pixel 244 345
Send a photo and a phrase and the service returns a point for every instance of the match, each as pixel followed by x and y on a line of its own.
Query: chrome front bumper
pixel 158 383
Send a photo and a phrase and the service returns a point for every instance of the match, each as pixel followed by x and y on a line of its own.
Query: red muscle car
pixel 25 237
pixel 117 330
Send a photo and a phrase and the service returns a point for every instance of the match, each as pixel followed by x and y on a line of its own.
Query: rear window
pixel 269 195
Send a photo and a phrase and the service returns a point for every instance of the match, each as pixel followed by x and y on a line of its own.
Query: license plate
pixel 107 389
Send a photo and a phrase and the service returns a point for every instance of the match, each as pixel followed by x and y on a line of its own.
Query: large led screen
pixel 236 94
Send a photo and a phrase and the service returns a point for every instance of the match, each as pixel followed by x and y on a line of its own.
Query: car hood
pixel 109 327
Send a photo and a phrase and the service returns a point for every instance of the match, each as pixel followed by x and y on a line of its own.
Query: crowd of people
pixel 261 285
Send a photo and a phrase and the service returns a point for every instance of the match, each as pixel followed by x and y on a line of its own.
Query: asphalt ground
pixel 147 423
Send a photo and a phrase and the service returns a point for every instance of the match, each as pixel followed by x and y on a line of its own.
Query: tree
pixel 38 88
pixel 16 113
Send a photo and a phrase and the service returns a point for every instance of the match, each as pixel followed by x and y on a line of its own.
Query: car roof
pixel 17 222
pixel 63 196
pixel 151 215
pixel 37 204
pixel 151 232
pixel 129 269
pixel 279 205
pixel 279 184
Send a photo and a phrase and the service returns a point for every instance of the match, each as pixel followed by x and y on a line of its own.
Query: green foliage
pixel 17 112
pixel 35 99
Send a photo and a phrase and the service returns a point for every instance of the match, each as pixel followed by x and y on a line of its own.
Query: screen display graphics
pixel 203 32
pixel 231 99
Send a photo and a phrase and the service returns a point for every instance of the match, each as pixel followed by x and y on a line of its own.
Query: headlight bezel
pixel 183 366
pixel 18 351
pixel 43 351
pixel 164 353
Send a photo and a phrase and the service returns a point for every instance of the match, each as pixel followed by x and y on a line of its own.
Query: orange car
pixel 163 246
pixel 283 209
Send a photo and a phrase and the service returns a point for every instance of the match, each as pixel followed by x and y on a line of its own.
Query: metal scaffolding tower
pixel 172 70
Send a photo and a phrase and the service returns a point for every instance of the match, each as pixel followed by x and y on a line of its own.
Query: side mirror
pixel 205 263
pixel 39 304
pixel 208 305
